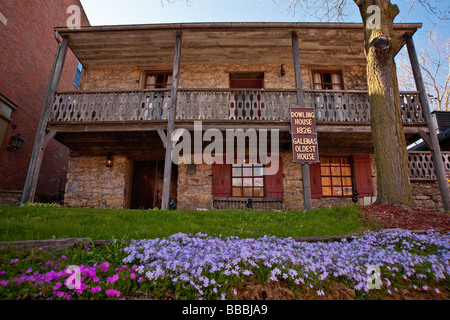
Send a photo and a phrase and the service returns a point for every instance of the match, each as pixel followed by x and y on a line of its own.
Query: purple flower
pixel 96 289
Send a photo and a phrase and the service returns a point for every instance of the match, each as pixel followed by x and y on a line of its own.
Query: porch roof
pixel 222 43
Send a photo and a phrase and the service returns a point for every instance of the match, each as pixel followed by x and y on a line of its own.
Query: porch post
pixel 41 139
pixel 301 103
pixel 436 150
pixel 170 124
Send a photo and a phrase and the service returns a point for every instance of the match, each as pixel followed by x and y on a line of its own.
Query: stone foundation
pixel 90 184
pixel 194 188
pixel 10 197
pixel 427 195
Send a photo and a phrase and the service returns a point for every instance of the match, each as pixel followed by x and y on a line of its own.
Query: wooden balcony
pixel 221 105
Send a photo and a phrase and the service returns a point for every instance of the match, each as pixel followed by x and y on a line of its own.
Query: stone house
pixel 221 77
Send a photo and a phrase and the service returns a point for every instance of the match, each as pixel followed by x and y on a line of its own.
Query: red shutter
pixel 363 174
pixel 274 183
pixel 221 180
pixel 315 179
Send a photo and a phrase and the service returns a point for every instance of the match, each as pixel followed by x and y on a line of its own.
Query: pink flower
pixel 112 292
pixel 96 289
pixel 113 279
pixel 133 275
pixel 57 286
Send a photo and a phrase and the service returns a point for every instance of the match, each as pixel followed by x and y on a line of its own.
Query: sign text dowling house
pixel 304 136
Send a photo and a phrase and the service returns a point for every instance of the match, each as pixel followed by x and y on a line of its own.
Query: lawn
pixel 38 223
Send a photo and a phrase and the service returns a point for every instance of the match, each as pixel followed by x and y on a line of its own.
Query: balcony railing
pixel 421 166
pixel 221 104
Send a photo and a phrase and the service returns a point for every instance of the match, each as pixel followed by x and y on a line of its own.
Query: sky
pixel 119 12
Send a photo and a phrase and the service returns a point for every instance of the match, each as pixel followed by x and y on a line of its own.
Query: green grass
pixel 38 223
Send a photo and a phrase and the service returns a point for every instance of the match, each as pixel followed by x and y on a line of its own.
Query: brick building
pixel 222 76
pixel 27 52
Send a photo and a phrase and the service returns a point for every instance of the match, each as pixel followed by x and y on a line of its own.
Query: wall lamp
pixel 109 160
pixel 282 71
pixel 16 143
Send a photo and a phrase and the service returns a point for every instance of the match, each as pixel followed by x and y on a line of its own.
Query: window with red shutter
pixel 363 174
pixel 315 180
pixel 274 183
pixel 221 179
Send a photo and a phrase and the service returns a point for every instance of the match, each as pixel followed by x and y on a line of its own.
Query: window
pixel 6 109
pixel 247 180
pixel 340 176
pixel 158 80
pixel 336 176
pixel 77 78
pixel 327 80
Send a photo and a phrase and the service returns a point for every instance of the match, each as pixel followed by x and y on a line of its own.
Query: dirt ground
pixel 388 216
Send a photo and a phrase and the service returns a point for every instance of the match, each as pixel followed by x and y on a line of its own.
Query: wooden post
pixel 42 139
pixel 170 124
pixel 436 150
pixel 307 202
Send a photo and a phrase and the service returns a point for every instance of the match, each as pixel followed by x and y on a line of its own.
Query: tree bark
pixel 391 155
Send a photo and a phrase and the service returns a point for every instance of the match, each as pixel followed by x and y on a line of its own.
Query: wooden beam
pixel 29 190
pixel 426 138
pixel 307 202
pixel 171 123
pixel 163 137
pixel 439 167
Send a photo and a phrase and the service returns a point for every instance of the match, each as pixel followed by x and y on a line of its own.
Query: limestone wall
pixel 214 76
pixel 90 184
pixel 194 188
pixel 426 195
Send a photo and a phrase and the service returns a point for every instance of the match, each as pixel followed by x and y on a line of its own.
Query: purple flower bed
pixel 198 262
pixel 205 267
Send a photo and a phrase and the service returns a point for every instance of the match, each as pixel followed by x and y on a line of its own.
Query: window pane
pixel 337 181
pixel 247 192
pixel 248 182
pixel 258 172
pixel 259 182
pixel 326 181
pixel 326 191
pixel 348 191
pixel 325 170
pixel 237 192
pixel 237 182
pixel 259 192
pixel 337 191
pixel 347 181
pixel 247 172
pixel 346 171
pixel 336 171
pixel 237 172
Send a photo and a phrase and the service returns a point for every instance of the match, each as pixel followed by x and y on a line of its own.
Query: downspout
pixel 25 190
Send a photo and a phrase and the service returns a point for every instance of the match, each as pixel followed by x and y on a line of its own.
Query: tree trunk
pixel 391 155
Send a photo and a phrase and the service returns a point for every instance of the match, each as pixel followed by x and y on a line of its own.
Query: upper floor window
pixel 327 80
pixel 77 78
pixel 158 80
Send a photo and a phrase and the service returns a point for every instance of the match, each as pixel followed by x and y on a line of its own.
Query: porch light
pixel 16 143
pixel 109 160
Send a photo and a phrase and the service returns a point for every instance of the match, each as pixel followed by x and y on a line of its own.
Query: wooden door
pixel 147 185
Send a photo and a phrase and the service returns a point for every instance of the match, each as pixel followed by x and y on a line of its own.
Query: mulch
pixel 391 216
